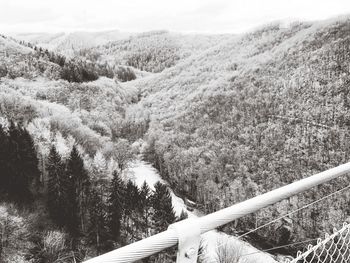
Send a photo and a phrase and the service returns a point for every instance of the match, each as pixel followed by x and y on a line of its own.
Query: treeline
pixel 151 52
pixel 103 214
pixel 154 59
pixel 125 74
pixel 122 73
pixel 80 69
pixel 107 214
pixel 73 70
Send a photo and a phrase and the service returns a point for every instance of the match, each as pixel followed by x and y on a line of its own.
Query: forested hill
pixel 70 43
pixel 10 46
pixel 223 119
pixel 24 59
pixel 66 193
pixel 152 51
pixel 253 113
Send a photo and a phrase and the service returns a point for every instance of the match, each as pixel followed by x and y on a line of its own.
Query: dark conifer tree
pixel 144 207
pixel 23 164
pixel 116 205
pixel 98 229
pixel 77 192
pixel 57 187
pixel 163 214
pixel 132 196
pixel 132 212
pixel 30 159
pixel 4 161
pixel 14 160
pixel 144 196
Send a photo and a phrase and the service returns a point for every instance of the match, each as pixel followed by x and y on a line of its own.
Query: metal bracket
pixel 189 239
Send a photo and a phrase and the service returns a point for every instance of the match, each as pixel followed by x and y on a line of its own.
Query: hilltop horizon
pixel 205 16
pixel 286 22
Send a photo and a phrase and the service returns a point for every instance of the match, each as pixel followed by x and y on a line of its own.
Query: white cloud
pixel 214 16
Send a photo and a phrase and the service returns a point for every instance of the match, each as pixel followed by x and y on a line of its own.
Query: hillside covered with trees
pixel 252 114
pixel 223 118
pixel 66 191
pixel 152 51
pixel 70 43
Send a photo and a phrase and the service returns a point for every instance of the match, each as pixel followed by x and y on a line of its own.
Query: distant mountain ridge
pixel 67 43
pixel 151 51
pixel 156 50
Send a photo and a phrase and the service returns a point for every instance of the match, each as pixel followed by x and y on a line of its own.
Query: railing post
pixel 189 239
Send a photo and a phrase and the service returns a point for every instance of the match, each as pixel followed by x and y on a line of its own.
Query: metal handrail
pixel 171 237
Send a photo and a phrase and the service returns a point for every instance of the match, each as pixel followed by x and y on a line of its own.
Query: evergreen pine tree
pixel 116 205
pixel 77 192
pixel 132 197
pixel 30 159
pixel 15 182
pixel 132 211
pixel 98 229
pixel 4 161
pixel 57 187
pixel 23 164
pixel 144 207
pixel 163 214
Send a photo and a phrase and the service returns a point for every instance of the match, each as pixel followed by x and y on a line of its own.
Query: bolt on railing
pixel 187 233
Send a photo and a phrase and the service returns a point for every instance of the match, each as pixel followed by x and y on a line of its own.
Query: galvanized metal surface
pixel 189 239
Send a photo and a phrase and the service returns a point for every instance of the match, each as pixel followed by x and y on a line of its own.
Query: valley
pixel 216 119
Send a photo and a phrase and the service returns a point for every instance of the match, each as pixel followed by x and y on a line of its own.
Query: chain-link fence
pixel 333 248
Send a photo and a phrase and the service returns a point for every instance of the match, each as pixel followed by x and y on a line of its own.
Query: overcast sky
pixel 206 16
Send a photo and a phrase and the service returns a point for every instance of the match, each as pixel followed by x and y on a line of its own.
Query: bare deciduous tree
pixel 227 252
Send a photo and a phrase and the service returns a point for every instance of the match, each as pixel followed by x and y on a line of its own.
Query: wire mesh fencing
pixel 333 248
